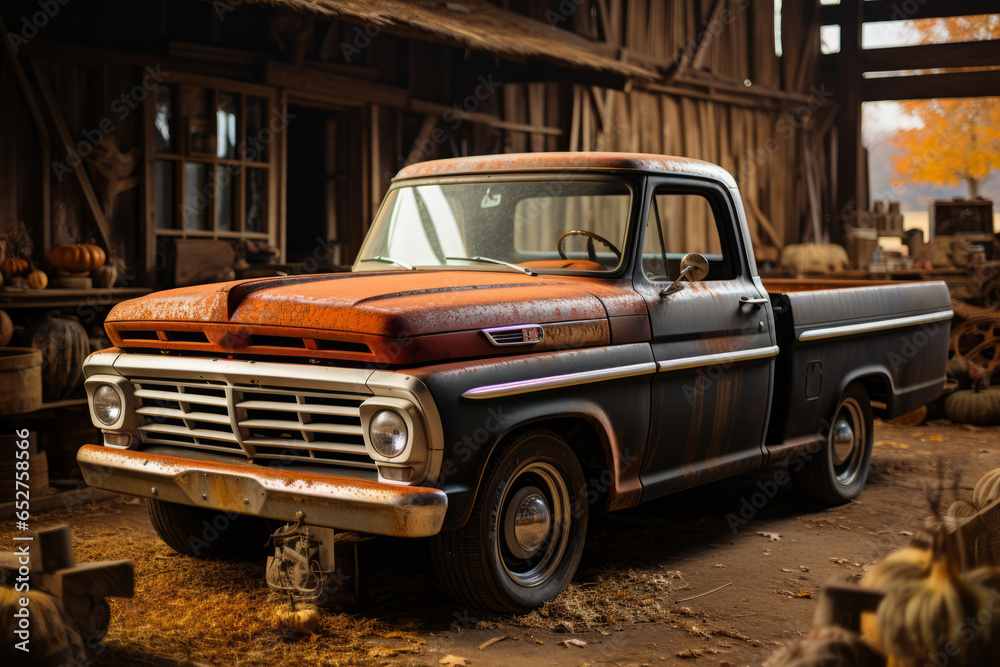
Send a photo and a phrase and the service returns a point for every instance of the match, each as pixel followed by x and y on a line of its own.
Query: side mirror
pixel 694 267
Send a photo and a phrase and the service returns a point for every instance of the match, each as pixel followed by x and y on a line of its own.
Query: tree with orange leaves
pixel 959 140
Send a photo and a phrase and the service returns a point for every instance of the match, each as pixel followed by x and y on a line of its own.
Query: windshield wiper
pixel 390 260
pixel 489 260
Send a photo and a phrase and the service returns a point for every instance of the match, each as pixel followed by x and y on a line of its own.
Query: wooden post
pixel 81 174
pixel 44 140
pixel 147 232
pixel 850 155
pixel 279 237
pixel 375 181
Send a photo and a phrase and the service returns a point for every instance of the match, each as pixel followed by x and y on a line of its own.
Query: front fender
pixel 607 387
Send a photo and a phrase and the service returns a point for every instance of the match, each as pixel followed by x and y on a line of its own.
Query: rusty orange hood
pixel 360 306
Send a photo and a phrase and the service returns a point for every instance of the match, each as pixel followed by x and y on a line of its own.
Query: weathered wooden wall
pixel 726 98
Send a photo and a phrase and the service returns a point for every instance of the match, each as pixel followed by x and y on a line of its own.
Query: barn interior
pixel 152 145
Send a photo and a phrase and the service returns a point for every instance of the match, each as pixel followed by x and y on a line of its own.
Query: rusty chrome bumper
pixel 333 502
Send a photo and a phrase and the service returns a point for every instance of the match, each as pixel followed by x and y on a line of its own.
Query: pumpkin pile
pixel 939 597
pixel 973 365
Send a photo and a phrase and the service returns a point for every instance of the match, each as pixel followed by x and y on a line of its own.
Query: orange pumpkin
pixel 77 258
pixel 6 328
pixel 13 266
pixel 38 280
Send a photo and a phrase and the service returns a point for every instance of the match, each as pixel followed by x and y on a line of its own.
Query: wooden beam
pixel 602 12
pixel 89 56
pixel 375 150
pixel 898 10
pixel 147 260
pixel 699 53
pixel 44 139
pixel 930 86
pixel 574 127
pixel 430 122
pixel 345 88
pixel 279 161
pixel 420 106
pixel 712 95
pixel 742 89
pixel 850 172
pixel 765 224
pixel 929 56
pixel 67 140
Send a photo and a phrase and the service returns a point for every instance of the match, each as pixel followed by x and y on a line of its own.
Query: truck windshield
pixel 541 225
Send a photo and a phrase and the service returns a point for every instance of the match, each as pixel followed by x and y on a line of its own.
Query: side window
pixel 680 223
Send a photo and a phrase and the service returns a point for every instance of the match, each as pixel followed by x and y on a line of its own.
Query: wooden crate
pixel 969 218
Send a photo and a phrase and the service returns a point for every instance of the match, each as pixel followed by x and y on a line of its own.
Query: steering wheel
pixel 591 237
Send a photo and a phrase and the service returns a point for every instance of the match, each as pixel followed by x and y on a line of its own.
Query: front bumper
pixel 333 502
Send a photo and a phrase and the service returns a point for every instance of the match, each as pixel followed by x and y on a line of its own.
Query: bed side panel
pixel 907 360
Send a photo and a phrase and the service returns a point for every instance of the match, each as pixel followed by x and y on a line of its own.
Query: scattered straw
pixel 209 612
pixel 612 597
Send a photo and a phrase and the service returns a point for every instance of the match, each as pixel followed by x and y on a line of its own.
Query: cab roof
pixel 578 161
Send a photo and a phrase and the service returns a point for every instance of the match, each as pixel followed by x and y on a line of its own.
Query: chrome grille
pixel 263 422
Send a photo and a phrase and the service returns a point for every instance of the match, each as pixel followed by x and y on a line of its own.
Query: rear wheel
pixel 204 533
pixel 837 473
pixel 523 542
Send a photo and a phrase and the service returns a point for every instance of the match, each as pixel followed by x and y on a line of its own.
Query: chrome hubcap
pixel 843 440
pixel 531 521
pixel 534 524
pixel 848 439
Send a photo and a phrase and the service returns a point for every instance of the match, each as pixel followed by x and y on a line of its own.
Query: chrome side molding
pixel 870 327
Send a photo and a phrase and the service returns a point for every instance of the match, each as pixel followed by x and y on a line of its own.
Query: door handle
pixel 751 301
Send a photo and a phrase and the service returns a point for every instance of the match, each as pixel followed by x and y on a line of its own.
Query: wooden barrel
pixel 9 445
pixel 38 478
pixel 20 380
pixel 64 346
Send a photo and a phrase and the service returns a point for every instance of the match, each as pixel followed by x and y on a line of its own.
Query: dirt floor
pixel 721 575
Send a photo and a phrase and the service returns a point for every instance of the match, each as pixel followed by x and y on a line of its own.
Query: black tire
pixel 202 533
pixel 491 565
pixel 837 473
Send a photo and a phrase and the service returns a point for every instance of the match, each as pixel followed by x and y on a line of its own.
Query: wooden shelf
pixel 68 298
pixel 51 405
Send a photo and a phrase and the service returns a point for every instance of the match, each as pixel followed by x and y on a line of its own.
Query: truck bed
pixel 824 327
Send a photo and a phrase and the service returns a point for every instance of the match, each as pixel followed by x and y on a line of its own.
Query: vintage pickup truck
pixel 521 337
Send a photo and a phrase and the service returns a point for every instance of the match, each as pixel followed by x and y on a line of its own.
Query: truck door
pixel 712 341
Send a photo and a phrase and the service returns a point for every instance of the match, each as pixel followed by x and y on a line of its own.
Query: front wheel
pixel 524 540
pixel 836 473
pixel 205 533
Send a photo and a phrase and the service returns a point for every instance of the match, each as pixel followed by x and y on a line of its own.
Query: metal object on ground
pixel 309 566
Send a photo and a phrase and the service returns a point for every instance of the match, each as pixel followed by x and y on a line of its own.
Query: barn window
pixel 214 167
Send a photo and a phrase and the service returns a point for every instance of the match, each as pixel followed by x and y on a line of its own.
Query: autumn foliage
pixel 959 141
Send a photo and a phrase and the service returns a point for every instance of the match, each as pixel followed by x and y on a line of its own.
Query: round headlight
pixel 388 433
pixel 107 404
